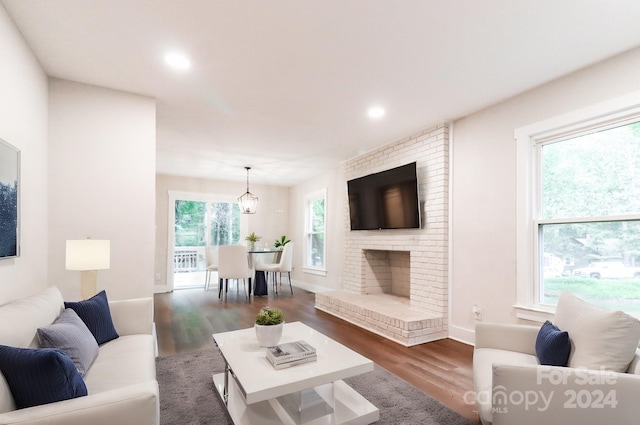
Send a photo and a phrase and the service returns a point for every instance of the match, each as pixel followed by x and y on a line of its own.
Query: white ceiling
pixel 284 85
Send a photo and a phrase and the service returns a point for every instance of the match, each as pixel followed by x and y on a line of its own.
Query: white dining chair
pixel 233 263
pixel 211 260
pixel 284 265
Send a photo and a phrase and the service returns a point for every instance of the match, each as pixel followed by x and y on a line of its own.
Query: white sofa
pixel 511 387
pixel 121 382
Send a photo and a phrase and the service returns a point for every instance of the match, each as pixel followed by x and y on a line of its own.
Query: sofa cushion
pixel 95 313
pixel 26 315
pixel 553 345
pixel 70 335
pixel 124 361
pixel 600 338
pixel 40 376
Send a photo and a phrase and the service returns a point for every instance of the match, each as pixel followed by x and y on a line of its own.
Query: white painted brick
pixel 422 275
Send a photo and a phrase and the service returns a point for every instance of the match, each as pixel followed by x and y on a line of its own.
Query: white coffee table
pixel 312 393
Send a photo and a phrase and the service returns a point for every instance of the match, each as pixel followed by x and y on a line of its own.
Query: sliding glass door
pixel 196 222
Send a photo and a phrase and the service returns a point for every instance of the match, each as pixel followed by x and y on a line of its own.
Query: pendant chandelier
pixel 248 201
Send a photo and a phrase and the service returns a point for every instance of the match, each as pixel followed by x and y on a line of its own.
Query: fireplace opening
pixel 388 272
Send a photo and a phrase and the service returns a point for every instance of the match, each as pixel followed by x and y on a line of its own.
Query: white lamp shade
pixel 88 254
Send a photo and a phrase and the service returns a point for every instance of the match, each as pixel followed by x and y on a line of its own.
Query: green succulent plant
pixel 269 316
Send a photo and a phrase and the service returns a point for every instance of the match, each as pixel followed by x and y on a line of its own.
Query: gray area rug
pixel 187 395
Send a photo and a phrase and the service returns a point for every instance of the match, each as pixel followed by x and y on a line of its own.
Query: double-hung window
pixel 315 232
pixel 579 209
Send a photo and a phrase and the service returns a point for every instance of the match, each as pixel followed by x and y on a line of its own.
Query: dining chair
pixel 233 263
pixel 284 265
pixel 211 258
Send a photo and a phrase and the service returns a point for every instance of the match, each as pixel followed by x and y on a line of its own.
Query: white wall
pixel 102 184
pixel 484 186
pixel 23 123
pixel 270 221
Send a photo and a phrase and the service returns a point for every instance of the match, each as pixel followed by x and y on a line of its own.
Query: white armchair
pixel 511 387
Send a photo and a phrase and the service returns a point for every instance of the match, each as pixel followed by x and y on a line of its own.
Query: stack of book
pixel 291 354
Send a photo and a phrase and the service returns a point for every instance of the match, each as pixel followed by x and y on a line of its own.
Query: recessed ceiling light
pixel 376 112
pixel 177 61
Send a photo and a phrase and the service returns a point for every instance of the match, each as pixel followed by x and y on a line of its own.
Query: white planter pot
pixel 269 335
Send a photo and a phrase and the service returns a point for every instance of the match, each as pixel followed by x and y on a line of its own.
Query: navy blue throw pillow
pixel 553 346
pixel 40 376
pixel 95 313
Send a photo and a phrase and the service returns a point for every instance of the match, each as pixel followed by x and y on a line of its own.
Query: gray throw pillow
pixel 70 335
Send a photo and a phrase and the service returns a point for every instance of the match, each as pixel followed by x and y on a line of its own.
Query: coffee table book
pixel 296 362
pixel 290 351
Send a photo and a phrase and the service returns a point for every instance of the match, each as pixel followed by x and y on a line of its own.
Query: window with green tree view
pixel 315 224
pixel 587 218
pixel 193 218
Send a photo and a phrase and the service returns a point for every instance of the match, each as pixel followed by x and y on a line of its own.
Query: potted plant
pixel 280 243
pixel 269 323
pixel 252 238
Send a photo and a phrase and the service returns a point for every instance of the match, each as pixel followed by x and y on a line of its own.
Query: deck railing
pixel 185 259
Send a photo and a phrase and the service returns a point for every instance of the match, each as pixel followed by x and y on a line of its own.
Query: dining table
pixel 260 287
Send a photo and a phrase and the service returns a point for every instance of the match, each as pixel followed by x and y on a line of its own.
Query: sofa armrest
pixel 132 317
pixel 131 405
pixel 533 395
pixel 521 338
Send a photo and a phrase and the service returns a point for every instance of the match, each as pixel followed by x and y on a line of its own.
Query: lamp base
pixel 88 283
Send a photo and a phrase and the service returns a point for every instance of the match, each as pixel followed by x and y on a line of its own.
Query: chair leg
pixel 220 284
pixel 290 286
pixel 207 278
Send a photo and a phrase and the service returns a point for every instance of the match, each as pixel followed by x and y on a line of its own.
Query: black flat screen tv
pixel 385 200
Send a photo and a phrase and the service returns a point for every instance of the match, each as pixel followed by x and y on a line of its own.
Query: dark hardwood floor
pixel 186 319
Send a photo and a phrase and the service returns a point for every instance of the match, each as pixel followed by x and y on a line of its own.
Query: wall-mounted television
pixel 385 200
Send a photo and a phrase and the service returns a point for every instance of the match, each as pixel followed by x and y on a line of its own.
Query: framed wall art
pixel 9 201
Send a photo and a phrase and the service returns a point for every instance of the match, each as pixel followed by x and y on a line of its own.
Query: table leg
pixel 225 394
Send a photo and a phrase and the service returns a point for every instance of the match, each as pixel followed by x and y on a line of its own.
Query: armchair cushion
pixel 70 335
pixel 40 376
pixel 600 338
pixel 95 313
pixel 552 345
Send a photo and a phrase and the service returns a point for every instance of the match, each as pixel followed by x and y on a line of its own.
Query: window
pixel 315 229
pixel 579 209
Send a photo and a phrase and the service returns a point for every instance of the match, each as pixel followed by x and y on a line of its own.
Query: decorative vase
pixel 269 335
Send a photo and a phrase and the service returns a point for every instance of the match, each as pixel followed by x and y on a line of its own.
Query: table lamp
pixel 88 256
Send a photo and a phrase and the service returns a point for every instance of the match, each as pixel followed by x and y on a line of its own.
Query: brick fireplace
pixel 395 282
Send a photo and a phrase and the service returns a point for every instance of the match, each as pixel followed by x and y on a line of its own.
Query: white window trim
pixel 313 196
pixel 610 113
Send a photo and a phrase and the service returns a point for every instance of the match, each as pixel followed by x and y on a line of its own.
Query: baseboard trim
pixel 466 336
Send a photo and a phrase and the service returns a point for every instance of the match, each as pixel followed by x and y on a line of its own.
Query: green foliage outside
pixel 593 176
pixel 317 229
pixel 269 316
pixel 225 223
pixel 190 224
pixel 614 294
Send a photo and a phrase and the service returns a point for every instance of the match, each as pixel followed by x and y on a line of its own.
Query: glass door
pixel 198 221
